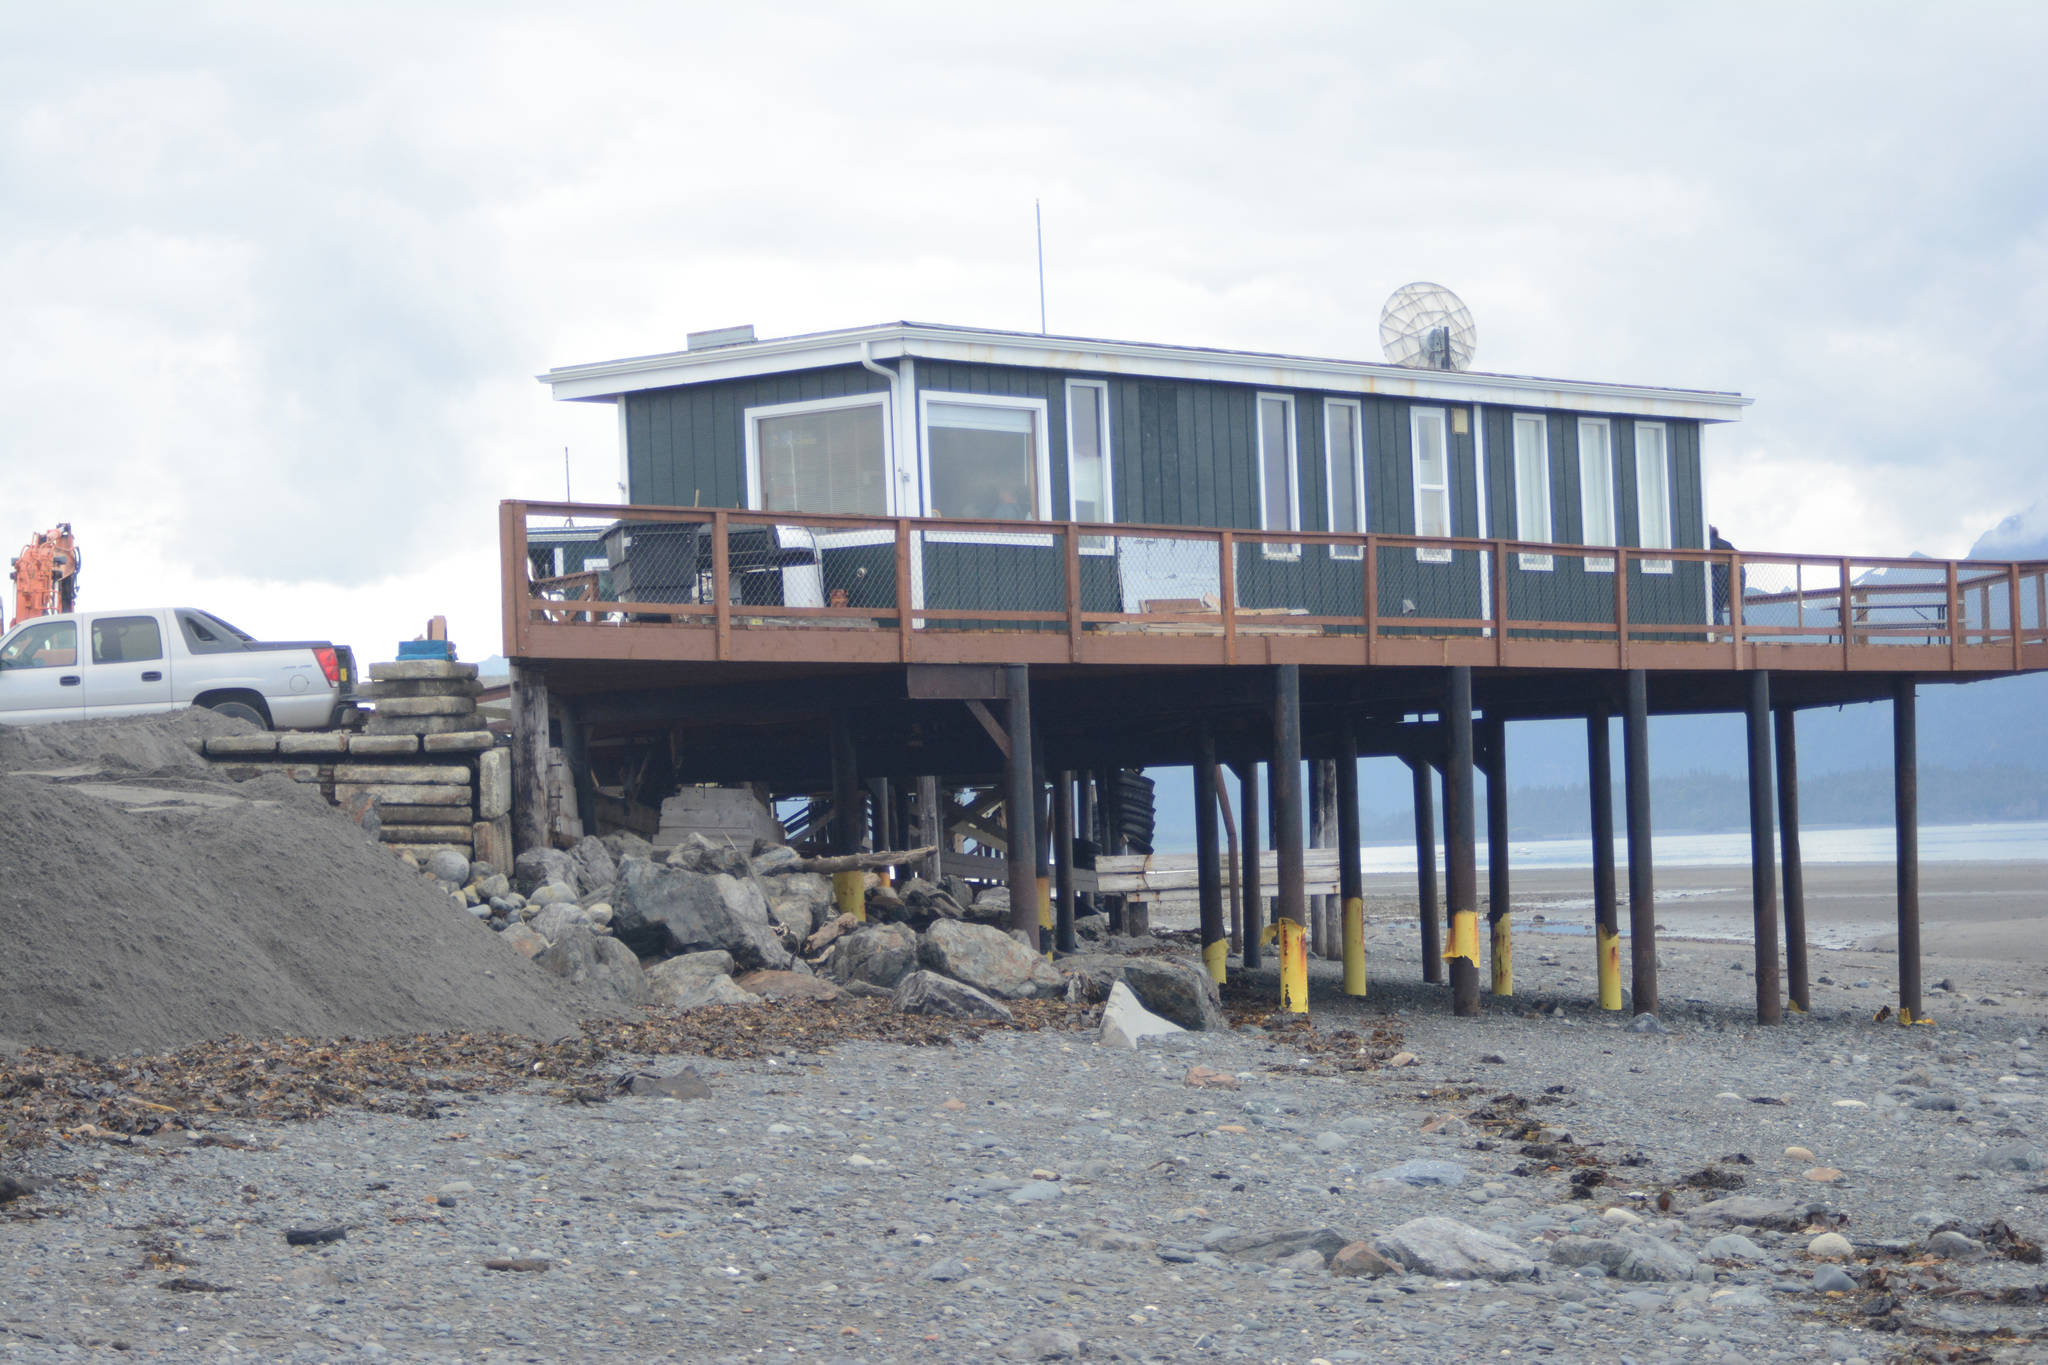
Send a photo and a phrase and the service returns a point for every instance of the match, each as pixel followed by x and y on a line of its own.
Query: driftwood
pixel 854 862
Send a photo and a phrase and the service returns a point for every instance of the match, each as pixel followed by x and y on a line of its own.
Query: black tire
pixel 240 710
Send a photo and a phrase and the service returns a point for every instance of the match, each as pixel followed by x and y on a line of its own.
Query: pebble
pixel 1830 1246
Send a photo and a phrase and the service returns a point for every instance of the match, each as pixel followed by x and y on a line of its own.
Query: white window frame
pixel 1601 424
pixel 1663 483
pixel 1535 563
pixel 1416 416
pixel 1356 455
pixel 1093 545
pixel 750 420
pixel 1041 457
pixel 1267 547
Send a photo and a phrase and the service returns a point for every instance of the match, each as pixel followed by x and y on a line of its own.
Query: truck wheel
pixel 240 710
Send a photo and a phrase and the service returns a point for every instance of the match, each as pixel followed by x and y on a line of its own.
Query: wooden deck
pixel 709 602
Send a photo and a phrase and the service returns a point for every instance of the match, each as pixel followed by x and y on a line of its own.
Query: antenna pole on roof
pixel 568 493
pixel 1038 217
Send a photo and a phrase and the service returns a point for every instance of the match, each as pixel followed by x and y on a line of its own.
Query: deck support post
pixel 1350 873
pixel 1322 816
pixel 1084 830
pixel 1763 868
pixel 1290 905
pixel 1063 861
pixel 529 759
pixel 1606 912
pixel 1041 867
pixel 1642 883
pixel 1461 863
pixel 1793 878
pixel 576 753
pixel 1499 904
pixel 1425 871
pixel 1252 902
pixel 1906 813
pixel 849 889
pixel 1108 840
pixel 929 834
pixel 1208 859
pixel 1020 792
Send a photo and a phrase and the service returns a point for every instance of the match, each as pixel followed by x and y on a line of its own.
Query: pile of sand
pixel 249 908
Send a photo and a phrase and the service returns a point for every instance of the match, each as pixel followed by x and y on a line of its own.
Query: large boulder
pixel 669 910
pixel 989 960
pixel 554 920
pixel 595 866
pixel 1454 1251
pixel 799 901
pixel 684 989
pixel 698 854
pixel 1631 1256
pixel 879 954
pixel 773 986
pixel 450 866
pixel 1173 990
pixel 538 866
pixel 581 957
pixel 930 993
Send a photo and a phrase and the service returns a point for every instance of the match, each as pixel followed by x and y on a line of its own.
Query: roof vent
pixel 723 336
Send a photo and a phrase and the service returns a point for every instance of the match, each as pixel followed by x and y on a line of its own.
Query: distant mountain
pixel 2023 535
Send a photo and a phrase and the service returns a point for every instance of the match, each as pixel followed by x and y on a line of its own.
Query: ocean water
pixel 1986 843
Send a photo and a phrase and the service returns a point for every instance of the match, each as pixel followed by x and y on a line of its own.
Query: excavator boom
pixel 46 574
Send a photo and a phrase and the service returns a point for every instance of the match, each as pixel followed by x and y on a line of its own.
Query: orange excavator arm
pixel 46 574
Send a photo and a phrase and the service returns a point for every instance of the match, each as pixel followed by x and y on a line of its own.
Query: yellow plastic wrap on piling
pixel 1464 938
pixel 1503 957
pixel 1293 967
pixel 1610 967
pixel 849 890
pixel 1354 946
pixel 1045 914
pixel 1217 957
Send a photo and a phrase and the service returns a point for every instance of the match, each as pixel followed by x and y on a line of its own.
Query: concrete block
pixel 440 774
pixel 241 746
pixel 494 783
pixel 382 746
pixel 460 742
pixel 419 725
pixel 400 814
pixel 312 742
pixel 458 836
pixel 492 840
pixel 420 687
pixel 426 706
pixel 414 670
pixel 400 794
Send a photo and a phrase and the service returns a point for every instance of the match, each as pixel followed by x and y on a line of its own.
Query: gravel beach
pixel 1037 1196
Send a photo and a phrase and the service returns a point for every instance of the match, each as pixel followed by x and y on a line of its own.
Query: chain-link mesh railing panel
pixel 1893 603
pixel 1299 586
pixel 1174 583
pixel 614 571
pixel 1790 602
pixel 1668 598
pixel 1431 590
pixel 1562 594
pixel 990 580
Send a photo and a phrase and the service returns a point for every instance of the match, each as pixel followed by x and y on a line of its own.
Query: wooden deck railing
pixel 672 583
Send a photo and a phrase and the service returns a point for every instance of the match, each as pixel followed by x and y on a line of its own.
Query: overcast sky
pixel 276 279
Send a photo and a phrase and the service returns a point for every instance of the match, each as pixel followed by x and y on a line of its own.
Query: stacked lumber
pixel 424 773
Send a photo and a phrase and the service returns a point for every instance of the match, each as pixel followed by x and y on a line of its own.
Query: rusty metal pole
pixel 1254 904
pixel 1208 861
pixel 1763 866
pixel 1906 813
pixel 1606 913
pixel 1793 877
pixel 1042 867
pixel 1461 864
pixel 1642 883
pixel 1425 871
pixel 849 817
pixel 1290 906
pixel 1499 903
pixel 1020 791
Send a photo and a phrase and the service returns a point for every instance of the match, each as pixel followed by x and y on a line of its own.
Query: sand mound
pixel 254 908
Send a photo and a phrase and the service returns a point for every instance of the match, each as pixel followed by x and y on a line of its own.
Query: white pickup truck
pixel 128 663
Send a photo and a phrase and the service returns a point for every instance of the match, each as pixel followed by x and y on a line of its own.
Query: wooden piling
pixel 1020 800
pixel 1499 903
pixel 1208 858
pixel 1063 861
pixel 1425 871
pixel 1606 912
pixel 1461 864
pixel 1793 874
pixel 1906 819
pixel 1290 905
pixel 529 759
pixel 1252 906
pixel 849 889
pixel 1642 885
pixel 1350 873
pixel 1763 871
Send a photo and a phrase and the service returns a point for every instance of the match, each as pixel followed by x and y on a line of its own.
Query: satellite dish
pixel 1427 327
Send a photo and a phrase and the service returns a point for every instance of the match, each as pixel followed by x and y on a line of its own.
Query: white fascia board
pixel 607 379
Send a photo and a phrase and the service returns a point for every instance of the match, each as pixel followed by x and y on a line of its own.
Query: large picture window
pixel 1432 442
pixel 1596 488
pixel 1532 485
pixel 1088 482
pixel 986 457
pixel 1653 493
pixel 1344 454
pixel 831 455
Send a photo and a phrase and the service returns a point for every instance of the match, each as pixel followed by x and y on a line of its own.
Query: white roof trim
pixel 610 378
